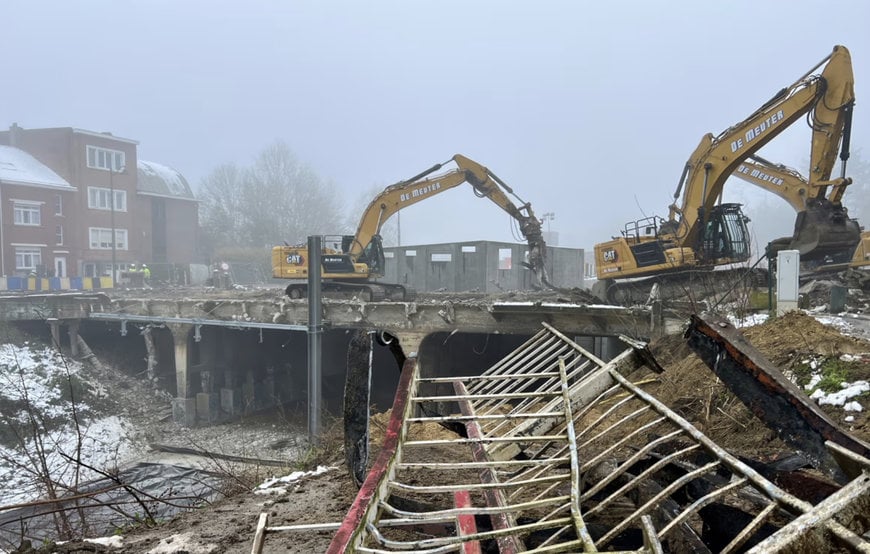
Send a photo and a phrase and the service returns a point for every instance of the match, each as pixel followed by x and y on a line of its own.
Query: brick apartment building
pixel 57 214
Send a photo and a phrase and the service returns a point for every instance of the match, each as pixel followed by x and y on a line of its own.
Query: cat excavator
pixel 350 263
pixel 701 233
pixel 843 245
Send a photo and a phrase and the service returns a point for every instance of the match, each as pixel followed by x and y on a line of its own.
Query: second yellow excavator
pixel 702 233
pixel 824 233
pixel 352 264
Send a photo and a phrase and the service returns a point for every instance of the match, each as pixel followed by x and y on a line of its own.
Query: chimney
pixel 14 135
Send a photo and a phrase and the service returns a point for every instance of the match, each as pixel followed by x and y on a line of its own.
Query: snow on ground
pixel 41 378
pixel 834 321
pixel 843 396
pixel 747 320
pixel 272 486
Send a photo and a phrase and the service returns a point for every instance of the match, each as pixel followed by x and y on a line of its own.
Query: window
pixel 28 258
pixel 103 158
pixel 27 213
pixel 58 204
pixel 439 257
pixel 100 199
pixel 58 235
pixel 101 239
pixel 505 257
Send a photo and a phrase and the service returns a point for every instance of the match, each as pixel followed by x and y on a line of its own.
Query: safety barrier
pixel 55 283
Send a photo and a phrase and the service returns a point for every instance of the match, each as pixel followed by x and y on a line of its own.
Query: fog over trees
pixel 276 199
pixel 857 197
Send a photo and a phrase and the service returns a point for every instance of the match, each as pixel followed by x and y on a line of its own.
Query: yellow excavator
pixel 350 263
pixel 702 233
pixel 845 245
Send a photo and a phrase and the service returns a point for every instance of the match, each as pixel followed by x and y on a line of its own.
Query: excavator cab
pixel 726 236
pixel 373 256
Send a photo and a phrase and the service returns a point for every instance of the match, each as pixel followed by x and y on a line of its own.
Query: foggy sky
pixel 588 110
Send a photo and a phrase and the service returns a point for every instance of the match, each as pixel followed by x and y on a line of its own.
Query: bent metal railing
pixel 558 451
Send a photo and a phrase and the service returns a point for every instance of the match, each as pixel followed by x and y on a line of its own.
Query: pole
pixel 315 339
pixel 112 207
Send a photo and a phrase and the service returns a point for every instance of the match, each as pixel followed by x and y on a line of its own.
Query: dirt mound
pixel 794 343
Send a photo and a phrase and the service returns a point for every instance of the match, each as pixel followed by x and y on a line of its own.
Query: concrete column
pixel 183 405
pixel 180 335
pixel 409 341
pixel 54 326
pixel 657 320
pixel 151 350
pixel 73 328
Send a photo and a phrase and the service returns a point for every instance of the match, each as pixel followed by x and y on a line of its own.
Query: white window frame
pixel 104 158
pixel 58 204
pixel 100 238
pixel 58 235
pixel 27 213
pixel 99 198
pixel 27 258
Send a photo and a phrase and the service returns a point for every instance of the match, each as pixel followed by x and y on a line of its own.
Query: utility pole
pixel 548 217
pixel 315 338
pixel 112 207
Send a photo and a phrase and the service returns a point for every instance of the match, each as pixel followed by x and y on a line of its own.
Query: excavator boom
pixel 350 266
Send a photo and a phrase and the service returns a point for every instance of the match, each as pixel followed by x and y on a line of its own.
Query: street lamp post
pixel 548 217
pixel 112 208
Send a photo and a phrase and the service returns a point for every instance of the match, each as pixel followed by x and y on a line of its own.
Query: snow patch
pixel 39 376
pixel 268 487
pixel 840 397
pixel 183 542
pixel 749 320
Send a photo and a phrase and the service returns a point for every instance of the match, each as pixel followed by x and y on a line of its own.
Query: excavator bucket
pixel 823 232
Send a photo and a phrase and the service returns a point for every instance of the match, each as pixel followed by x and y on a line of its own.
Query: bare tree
pixel 220 212
pixel 857 197
pixel 278 199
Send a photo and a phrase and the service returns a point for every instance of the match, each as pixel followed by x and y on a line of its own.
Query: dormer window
pixel 104 158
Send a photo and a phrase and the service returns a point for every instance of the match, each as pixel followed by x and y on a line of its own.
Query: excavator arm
pixel 425 185
pixel 783 181
pixel 824 233
pixel 827 98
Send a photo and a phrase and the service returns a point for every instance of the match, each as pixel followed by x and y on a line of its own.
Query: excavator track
pixel 688 286
pixel 367 291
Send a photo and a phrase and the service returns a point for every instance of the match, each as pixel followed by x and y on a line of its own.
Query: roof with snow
pixel 20 168
pixel 161 180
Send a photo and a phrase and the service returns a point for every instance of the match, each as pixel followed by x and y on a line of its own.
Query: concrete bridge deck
pixel 184 316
